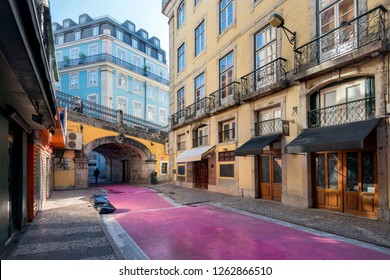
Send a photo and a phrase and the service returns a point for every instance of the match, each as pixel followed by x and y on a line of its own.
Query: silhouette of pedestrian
pixel 96 174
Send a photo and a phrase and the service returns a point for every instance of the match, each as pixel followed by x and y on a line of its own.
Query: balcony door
pixel 339 35
pixel 226 67
pixel 265 45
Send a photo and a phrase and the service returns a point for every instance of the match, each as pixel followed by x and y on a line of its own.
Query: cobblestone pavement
pixel 68 228
pixel 358 228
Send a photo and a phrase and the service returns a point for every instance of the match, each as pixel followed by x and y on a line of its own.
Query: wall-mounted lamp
pixel 295 110
pixel 151 144
pixel 278 21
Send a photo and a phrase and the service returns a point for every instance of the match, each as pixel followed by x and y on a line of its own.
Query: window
pixel 163 116
pixel 121 81
pixel 144 35
pixel 269 121
pixel 181 170
pixel 137 87
pixel 66 24
pixel 131 27
pixel 200 93
pixel 265 52
pixel 181 58
pixel 74 81
pixel 77 35
pixel 92 50
pixel 119 35
pixel 156 43
pixel 137 61
pixel 122 55
pixel 83 20
pixel 163 96
pixel 121 104
pixel 180 14
pixel 164 167
pixel 74 53
pixel 150 92
pixel 92 78
pixel 197 2
pixel 148 51
pixel 226 169
pixel 226 14
pixel 226 156
pixel 160 57
pixel 95 31
pixel 54 27
pixel 151 113
pixel 226 77
pixel 150 67
pixel 61 39
pixel 134 43
pixel 199 39
pixel 201 137
pixel 181 142
pixel 137 109
pixel 93 98
pixel 181 103
pixel 227 131
pixel 333 15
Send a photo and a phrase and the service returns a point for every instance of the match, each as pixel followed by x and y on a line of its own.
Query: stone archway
pixel 129 160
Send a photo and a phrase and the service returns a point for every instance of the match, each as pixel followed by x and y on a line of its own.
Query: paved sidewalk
pixel 69 228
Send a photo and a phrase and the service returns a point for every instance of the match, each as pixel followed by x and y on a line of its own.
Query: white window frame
pixel 95 31
pixel 134 43
pixel 150 92
pixel 122 104
pixel 119 35
pixel 91 82
pixel 181 15
pixel 121 80
pixel 162 96
pixel 148 50
pixel 121 54
pixel 60 39
pixel 200 42
pixel 74 53
pixel 93 98
pixel 150 67
pixel 160 57
pixel 181 58
pixel 151 114
pixel 227 126
pixel 77 81
pixel 83 19
pixel 137 87
pixel 92 48
pixel 162 118
pixel 137 109
pixel 77 35
pixel 66 24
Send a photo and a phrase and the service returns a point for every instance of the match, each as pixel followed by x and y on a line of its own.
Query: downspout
pixel 145 101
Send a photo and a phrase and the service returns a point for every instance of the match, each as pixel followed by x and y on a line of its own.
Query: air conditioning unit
pixel 74 141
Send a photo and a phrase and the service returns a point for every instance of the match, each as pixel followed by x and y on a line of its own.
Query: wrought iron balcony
pixel 225 97
pixel 198 109
pixel 350 36
pixel 263 80
pixel 268 127
pixel 358 110
pixel 104 57
pixel 178 118
pixel 200 141
pixel 227 135
pixel 181 146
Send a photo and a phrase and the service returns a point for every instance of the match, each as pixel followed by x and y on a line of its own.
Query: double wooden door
pixel 201 172
pixel 346 181
pixel 270 176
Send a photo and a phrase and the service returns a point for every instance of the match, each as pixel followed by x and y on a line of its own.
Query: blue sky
pixel 145 14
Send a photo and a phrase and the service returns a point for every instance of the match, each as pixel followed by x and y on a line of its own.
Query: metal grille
pixel 224 95
pixel 268 127
pixel 227 135
pixel 198 109
pixel 200 141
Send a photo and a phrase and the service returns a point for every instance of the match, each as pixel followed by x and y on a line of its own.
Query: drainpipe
pixel 145 101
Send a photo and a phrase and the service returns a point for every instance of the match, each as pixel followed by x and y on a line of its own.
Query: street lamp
pixel 278 21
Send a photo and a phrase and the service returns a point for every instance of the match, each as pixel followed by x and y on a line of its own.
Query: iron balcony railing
pixel 351 35
pixel 268 127
pixel 181 146
pixel 227 135
pixel 267 75
pixel 358 110
pixel 104 57
pixel 104 113
pixel 200 141
pixel 198 109
pixel 179 117
pixel 223 95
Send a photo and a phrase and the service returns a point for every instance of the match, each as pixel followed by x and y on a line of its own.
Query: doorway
pixel 201 173
pixel 346 181
pixel 270 176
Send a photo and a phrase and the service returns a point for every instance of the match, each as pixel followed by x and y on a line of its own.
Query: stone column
pixel 81 172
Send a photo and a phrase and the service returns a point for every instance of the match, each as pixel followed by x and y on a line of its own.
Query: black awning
pixel 255 145
pixel 332 138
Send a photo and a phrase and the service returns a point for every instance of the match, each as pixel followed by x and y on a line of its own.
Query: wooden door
pixel 201 173
pixel 271 177
pixel 328 183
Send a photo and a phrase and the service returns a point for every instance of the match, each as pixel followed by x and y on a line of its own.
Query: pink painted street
pixel 164 230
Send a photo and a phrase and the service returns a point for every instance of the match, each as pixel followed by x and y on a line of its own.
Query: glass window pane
pixel 353 171
pixel 354 93
pixel 330 99
pixel 265 169
pixel 368 172
pixel 320 171
pixel 277 169
pixel 333 172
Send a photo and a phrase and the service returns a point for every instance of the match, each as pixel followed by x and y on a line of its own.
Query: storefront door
pixel 271 177
pixel 346 181
pixel 201 174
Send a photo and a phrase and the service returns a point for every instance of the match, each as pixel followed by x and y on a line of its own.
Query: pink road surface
pixel 205 232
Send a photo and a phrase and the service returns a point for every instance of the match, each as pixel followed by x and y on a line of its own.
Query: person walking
pixel 96 174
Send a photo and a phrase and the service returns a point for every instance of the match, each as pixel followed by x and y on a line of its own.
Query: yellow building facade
pixel 282 100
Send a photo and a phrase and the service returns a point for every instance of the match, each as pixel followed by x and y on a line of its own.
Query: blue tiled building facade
pixel 114 65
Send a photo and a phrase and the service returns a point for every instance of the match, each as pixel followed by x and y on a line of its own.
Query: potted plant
pixel 66 61
pixel 82 57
